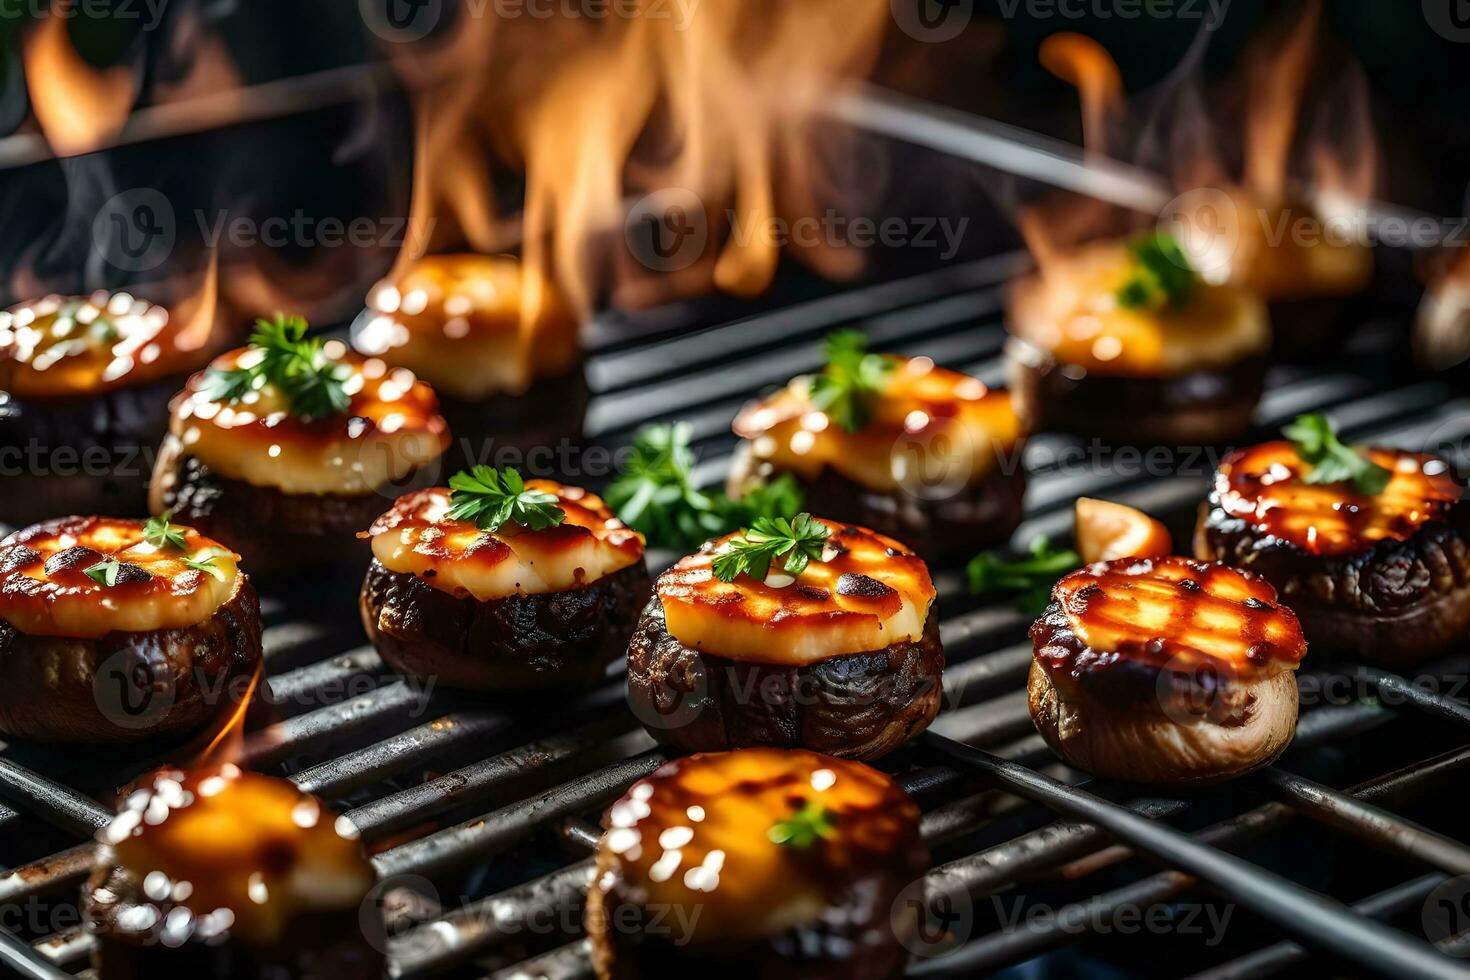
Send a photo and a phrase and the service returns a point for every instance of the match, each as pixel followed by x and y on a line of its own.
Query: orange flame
pixel 713 99
pixel 1082 62
pixel 195 315
pixel 232 733
pixel 78 107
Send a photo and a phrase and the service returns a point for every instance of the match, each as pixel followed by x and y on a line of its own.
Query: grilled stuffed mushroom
pixel 1165 670
pixel 923 454
pixel 84 390
pixel 1381 576
pixel 498 344
pixel 839 653
pixel 224 873
pixel 761 862
pixel 498 586
pixel 1124 342
pixel 285 449
pixel 113 631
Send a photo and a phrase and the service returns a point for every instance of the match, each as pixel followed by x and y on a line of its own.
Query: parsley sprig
pixel 1331 460
pixel 204 562
pixel 799 540
pixel 804 827
pixel 852 380
pixel 313 384
pixel 1030 579
pixel 655 494
pixel 1162 275
pixel 158 532
pixel 105 572
pixel 494 498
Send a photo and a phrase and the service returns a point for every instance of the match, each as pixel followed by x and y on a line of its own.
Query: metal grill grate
pixel 499 803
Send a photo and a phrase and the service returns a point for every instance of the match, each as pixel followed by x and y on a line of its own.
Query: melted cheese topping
pixel 1265 485
pixel 1181 614
pixel 471 325
pixel 392 427
pixel 45 591
pixel 867 593
pixel 1288 251
pixel 697 834
pixel 417 537
pixel 932 428
pixel 1072 312
pixel 64 346
pixel 242 854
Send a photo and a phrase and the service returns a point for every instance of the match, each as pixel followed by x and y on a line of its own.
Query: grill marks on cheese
pixel 392 427
pixel 929 421
pixel 1265 485
pixel 695 833
pixel 417 537
pixel 45 591
pixel 869 593
pixel 1071 311
pixel 471 325
pixel 1168 612
pixel 242 854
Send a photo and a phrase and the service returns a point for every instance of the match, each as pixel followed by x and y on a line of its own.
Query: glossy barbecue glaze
pixel 391 428
pixel 1265 486
pixel 45 591
pixel 867 593
pixel 695 841
pixel 1169 613
pixel 221 856
pixel 471 325
pixel 1071 313
pixel 418 537
pixel 931 426
pixel 61 347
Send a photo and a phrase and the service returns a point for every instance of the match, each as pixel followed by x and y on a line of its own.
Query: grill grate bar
pixel 1317 919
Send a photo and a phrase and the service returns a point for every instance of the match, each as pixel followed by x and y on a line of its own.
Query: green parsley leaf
pixel 105 572
pixel 158 532
pixel 852 380
pixel 1030 579
pixel 800 540
pixel 494 498
pixel 656 496
pixel 1331 460
pixel 204 561
pixel 1162 275
pixel 804 827
pixel 312 383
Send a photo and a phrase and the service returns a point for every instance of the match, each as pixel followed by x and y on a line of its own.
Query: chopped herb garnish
pixel 804 827
pixel 1030 578
pixel 105 572
pixel 158 532
pixel 799 540
pixel 655 494
pixel 1331 460
pixel 312 383
pixel 204 562
pixel 852 380
pixel 494 498
pixel 1162 275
